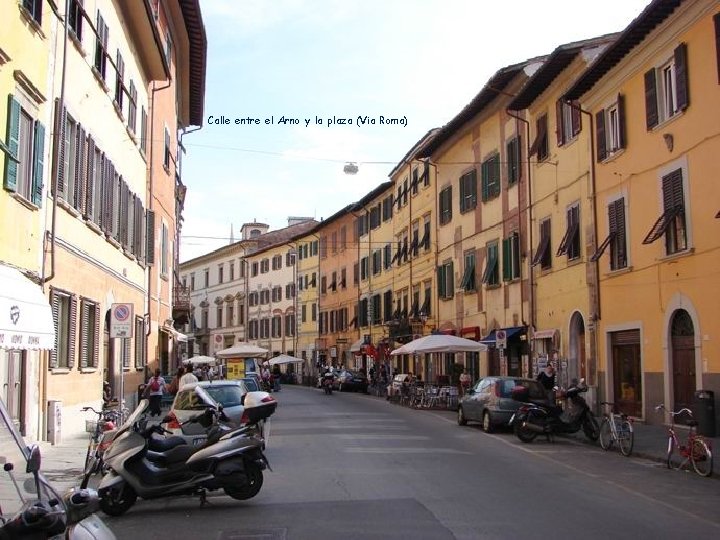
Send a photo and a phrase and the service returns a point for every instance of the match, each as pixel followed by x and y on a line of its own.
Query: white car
pixel 231 394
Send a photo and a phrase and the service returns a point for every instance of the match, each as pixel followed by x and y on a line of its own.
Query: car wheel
pixel 461 420
pixel 487 422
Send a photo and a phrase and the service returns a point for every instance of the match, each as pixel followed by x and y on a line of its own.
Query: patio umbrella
pixel 242 350
pixel 285 359
pixel 439 343
pixel 209 360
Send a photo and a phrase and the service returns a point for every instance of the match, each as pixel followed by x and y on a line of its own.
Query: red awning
pixel 470 332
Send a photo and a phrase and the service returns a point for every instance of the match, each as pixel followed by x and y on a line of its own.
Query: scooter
pixel 327 382
pixel 33 509
pixel 141 465
pixel 534 418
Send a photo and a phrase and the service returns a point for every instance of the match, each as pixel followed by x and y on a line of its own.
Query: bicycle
pixel 697 450
pixel 97 444
pixel 616 428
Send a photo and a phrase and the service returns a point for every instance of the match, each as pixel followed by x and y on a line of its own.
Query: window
pixel 76 18
pixel 140 349
pixel 363 268
pixel 119 86
pixel 303 313
pixel 277 262
pixel 542 254
pixel 323 285
pixel 568 121
pixel 26 146
pixel 446 280
pixel 207 278
pixel 387 256
pixel 364 312
pixel 375 315
pixel 230 315
pixel 34 8
pixel 405 189
pixel 666 89
pixel 290 324
pixel 164 253
pixel 265 297
pixel 219 322
pixel 166 154
pixel 445 205
pixel 143 130
pixel 168 48
pixel 264 266
pixel 64 311
pixel 511 257
pixel 387 208
pixel 415 238
pixel 426 308
pixel 204 316
pixel 241 313
pixel 376 261
pixel 356 273
pixel 415 180
pixel 491 177
pixel 610 129
pixel 375 217
pixel 192 282
pixel 101 43
pixel 253 330
pixel 289 291
pixel 426 174
pixel 540 144
pixel 90 334
pixel 491 276
pixel 387 306
pixel 221 273
pixel 343 279
pixel 570 244
pixel 264 328
pixel 277 326
pixel 616 236
pixel 468 191
pixel 313 312
pixel 232 271
pixel 343 237
pixel 468 280
pixel 514 169
pixel 254 269
pixel 132 107
pixel 671 223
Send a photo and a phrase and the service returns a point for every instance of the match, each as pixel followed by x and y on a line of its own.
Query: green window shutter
pixel 13 143
pixel 38 162
pixel 96 341
pixel 507 260
pixel 55 306
pixel 450 274
pixel 651 105
pixel 515 255
pixel 150 237
pixel 681 76
pixel 73 332
pixel 484 173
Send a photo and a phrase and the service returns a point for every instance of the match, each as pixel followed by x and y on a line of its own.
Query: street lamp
pixel 350 168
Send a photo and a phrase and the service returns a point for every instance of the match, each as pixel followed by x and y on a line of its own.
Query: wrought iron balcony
pixel 181 305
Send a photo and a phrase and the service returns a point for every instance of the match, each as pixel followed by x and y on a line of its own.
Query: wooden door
pixel 683 359
pixel 627 372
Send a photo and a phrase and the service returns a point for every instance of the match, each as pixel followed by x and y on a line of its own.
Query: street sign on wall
pixel 501 339
pixel 121 321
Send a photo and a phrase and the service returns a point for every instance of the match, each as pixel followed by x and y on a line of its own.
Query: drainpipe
pixel 596 316
pixel 531 299
pixel 61 106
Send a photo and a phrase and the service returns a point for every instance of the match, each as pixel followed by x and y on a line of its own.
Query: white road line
pixel 383 437
pixel 390 450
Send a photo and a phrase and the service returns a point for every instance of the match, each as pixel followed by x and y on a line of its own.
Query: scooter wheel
pixel 251 487
pixel 524 434
pixel 115 502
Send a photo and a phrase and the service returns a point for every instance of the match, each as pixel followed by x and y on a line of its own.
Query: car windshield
pixel 226 395
pixel 16 485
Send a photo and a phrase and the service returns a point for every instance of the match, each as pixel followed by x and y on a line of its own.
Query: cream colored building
pixel 307 270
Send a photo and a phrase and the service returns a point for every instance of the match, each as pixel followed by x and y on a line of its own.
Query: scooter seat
pixel 159 444
pixel 179 454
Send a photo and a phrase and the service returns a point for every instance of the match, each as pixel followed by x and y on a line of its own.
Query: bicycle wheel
pixel 606 438
pixel 701 458
pixel 626 437
pixel 674 459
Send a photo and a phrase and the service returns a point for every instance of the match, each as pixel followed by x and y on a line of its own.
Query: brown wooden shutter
pixel 80 169
pixel 59 154
pixel 600 135
pixel 95 360
pixel 681 77
pixel 84 333
pixel 620 230
pixel 55 306
pixel 576 118
pixel 626 337
pixel 559 131
pixel 622 126
pixel 716 20
pixel 123 213
pixel 651 104
pixel 673 190
pixel 100 187
pixel 90 177
pixel 150 237
pixel 73 331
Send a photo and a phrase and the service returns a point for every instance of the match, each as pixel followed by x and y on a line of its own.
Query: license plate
pixel 198 442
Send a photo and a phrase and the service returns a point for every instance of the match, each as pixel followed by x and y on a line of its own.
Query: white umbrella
pixel 440 343
pixel 285 359
pixel 242 350
pixel 209 360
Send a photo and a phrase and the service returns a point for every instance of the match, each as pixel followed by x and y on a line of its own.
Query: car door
pixel 473 403
pixel 484 398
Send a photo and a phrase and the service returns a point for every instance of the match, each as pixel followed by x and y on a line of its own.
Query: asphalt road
pixel 351 466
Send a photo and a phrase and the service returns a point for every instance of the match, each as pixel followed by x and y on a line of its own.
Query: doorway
pixel 627 371
pixel 11 388
pixel 576 368
pixel 682 345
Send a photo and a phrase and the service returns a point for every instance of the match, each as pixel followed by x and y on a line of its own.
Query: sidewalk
pixel 62 464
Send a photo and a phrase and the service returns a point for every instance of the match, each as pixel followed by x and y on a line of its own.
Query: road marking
pixel 390 450
pixel 383 436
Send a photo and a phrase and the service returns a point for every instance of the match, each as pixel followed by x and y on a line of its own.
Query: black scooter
pixel 534 418
pixel 142 465
pixel 327 383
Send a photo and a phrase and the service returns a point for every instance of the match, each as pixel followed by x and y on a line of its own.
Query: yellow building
pixel 413 263
pixel 653 96
pixel 561 233
pixel 483 285
pixel 308 268
pixel 25 99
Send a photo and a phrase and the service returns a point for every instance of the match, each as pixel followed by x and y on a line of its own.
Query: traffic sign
pixel 121 321
pixel 501 339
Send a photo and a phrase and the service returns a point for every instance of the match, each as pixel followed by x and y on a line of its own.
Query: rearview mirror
pixel 33 463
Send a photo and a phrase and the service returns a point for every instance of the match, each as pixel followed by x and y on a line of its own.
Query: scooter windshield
pixel 17 486
pixel 135 416
pixel 205 397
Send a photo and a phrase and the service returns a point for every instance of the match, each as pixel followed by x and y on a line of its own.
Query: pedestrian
pixel 155 389
pixel 174 385
pixel 465 380
pixel 547 379
pixel 188 377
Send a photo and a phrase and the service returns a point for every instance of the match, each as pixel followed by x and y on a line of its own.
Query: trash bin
pixel 704 412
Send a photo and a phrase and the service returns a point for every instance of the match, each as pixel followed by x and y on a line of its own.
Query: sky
pixel 354 81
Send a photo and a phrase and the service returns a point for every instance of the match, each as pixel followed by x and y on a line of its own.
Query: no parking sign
pixel 121 321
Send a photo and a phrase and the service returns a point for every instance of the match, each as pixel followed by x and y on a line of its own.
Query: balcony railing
pixel 181 305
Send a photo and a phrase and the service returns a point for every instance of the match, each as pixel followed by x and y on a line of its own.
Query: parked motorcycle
pixel 141 465
pixel 31 508
pixel 534 418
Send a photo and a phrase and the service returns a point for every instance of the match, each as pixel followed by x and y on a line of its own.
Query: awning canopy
pixel 355 347
pixel 285 359
pixel 178 336
pixel 509 333
pixel 242 350
pixel 545 334
pixel 26 320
